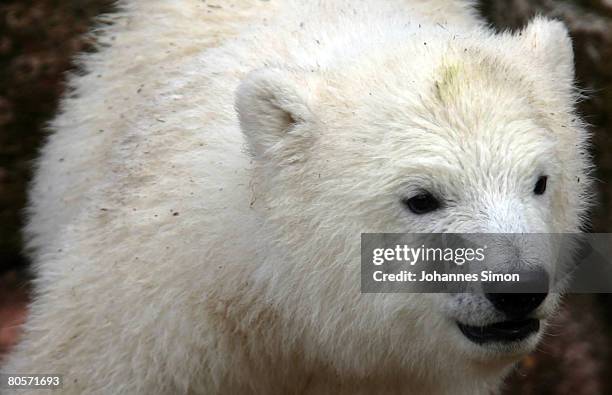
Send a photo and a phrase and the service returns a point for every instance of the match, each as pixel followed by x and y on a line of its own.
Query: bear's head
pixel 472 133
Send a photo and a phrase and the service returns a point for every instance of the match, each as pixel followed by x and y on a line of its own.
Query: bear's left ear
pixel 548 42
pixel 273 109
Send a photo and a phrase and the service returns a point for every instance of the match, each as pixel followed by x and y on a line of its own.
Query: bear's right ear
pixel 548 43
pixel 273 108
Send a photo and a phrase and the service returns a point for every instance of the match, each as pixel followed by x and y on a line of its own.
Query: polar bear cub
pixel 195 216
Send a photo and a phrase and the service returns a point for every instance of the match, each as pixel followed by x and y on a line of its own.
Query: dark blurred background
pixel 38 39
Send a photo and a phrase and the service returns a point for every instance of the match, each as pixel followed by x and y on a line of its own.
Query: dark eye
pixel 422 203
pixel 540 186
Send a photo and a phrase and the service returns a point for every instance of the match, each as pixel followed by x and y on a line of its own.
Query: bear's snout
pixel 518 300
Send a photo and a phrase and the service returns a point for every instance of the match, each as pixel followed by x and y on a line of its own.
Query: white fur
pixel 177 253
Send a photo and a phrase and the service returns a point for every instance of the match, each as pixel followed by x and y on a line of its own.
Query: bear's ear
pixel 548 42
pixel 273 107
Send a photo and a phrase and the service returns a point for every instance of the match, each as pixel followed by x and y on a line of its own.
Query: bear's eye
pixel 540 186
pixel 422 203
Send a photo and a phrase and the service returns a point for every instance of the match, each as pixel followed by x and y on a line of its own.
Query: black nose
pixel 518 299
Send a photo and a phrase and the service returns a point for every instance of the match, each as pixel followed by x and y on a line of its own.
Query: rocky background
pixel 38 39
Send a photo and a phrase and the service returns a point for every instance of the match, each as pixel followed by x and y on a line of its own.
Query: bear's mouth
pixel 501 332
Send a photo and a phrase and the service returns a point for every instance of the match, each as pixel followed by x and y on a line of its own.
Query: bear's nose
pixel 518 300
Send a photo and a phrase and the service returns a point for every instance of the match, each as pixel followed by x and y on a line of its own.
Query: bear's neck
pixel 254 339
